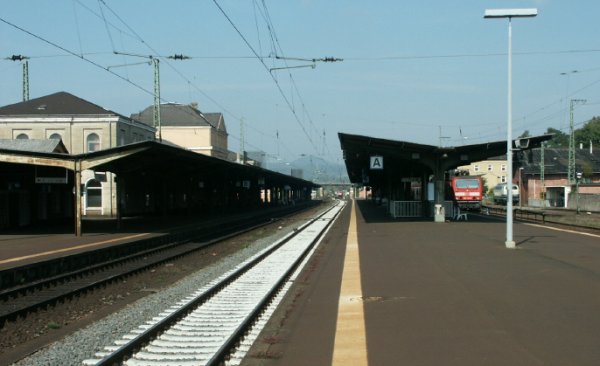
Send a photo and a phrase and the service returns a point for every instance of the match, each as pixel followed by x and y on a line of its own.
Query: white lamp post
pixel 509 13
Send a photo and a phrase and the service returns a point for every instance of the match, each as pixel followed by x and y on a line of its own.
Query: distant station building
pixel 546 186
pixel 186 126
pixel 492 170
pixel 543 178
pixel 82 127
pixel 60 156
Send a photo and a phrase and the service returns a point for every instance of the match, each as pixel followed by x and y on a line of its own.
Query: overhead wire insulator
pixel 179 57
pixel 17 58
pixel 331 59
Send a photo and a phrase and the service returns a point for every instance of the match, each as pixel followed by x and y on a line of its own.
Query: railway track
pixel 560 218
pixel 20 300
pixel 206 327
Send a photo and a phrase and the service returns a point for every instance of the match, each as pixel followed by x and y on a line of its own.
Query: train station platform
pixel 20 247
pixel 385 292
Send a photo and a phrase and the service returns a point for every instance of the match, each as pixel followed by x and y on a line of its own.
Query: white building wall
pixel 113 130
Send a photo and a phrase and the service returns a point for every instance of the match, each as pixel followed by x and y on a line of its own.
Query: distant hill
pixel 314 169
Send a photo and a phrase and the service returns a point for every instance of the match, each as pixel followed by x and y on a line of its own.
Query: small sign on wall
pixel 376 162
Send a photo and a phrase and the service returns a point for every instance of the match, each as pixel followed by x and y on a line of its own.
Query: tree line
pixel 589 132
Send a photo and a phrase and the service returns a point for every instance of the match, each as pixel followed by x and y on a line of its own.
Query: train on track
pixel 466 191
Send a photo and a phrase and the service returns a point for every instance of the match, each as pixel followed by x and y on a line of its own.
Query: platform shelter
pixel 152 178
pixel 401 173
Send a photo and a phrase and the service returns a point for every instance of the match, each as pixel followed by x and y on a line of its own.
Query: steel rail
pixel 226 349
pixel 28 298
pixel 118 355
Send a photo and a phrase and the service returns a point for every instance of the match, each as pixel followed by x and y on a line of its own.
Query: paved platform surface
pixel 29 245
pixel 442 294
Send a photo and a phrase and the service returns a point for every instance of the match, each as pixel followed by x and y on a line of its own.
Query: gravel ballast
pixel 84 343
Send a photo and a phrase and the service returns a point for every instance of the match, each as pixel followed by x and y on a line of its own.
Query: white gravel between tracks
pixel 83 344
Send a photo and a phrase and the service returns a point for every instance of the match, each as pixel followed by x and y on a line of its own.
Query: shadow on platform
pixel 102 225
pixel 373 213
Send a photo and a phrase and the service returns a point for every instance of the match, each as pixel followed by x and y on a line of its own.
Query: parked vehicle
pixel 467 191
pixel 501 193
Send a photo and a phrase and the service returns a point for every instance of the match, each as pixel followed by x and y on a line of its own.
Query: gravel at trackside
pixel 83 344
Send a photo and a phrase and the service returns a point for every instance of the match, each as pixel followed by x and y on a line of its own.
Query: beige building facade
pixel 493 171
pixel 186 126
pixel 83 127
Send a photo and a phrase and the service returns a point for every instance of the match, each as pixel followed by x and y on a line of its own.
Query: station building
pixel 186 126
pixel 410 179
pixel 83 127
pixel 59 147
pixel 492 170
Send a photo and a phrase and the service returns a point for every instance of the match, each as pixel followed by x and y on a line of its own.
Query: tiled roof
pixel 173 114
pixel 61 103
pixel 44 146
pixel 556 160
pixel 216 120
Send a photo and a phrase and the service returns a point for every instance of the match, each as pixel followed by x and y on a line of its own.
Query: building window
pixel 476 167
pixel 22 136
pixel 93 142
pixel 503 167
pixel 122 137
pixel 503 179
pixel 55 136
pixel 94 193
pixel 490 168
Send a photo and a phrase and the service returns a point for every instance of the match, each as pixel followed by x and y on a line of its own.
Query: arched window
pixel 94 193
pixel 55 136
pixel 93 142
pixel 22 136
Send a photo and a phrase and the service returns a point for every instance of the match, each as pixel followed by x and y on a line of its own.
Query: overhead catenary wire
pixel 179 57
pixel 77 27
pixel 81 57
pixel 179 73
pixel 279 54
pixel 286 99
pixel 112 43
pixel 467 55
pixel 543 115
pixel 99 16
pixel 256 25
pixel 76 55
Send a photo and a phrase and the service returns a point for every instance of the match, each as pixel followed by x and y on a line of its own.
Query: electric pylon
pixel 571 168
pixel 25 73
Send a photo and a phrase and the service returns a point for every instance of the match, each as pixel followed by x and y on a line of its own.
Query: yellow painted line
pixel 350 346
pixel 82 246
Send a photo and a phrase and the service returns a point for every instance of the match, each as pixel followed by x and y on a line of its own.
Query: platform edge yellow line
pixel 350 346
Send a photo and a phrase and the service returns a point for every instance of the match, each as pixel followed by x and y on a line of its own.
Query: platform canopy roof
pixel 408 159
pixel 156 159
pixel 151 159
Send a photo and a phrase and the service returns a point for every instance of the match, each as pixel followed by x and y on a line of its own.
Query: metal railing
pixel 402 209
pixel 406 208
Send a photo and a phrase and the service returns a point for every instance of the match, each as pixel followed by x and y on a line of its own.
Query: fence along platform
pixel 406 209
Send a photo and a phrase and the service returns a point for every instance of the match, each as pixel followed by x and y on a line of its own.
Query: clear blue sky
pixel 409 69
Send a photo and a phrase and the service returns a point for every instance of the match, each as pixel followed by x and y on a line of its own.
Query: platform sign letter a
pixel 376 162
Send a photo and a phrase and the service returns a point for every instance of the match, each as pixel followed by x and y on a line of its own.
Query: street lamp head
pixel 510 13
